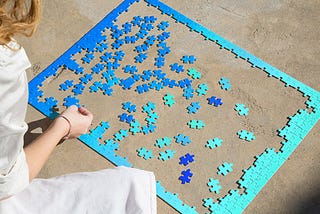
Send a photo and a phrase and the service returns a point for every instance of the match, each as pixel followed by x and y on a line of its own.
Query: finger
pixel 83 111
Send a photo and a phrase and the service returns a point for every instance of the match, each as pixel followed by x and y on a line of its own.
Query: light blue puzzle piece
pixel 166 155
pixel 162 142
pixel 213 143
pixel 214 185
pixel 241 109
pixel 225 168
pixel 146 154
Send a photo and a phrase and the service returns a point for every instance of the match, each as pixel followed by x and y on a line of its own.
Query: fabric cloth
pixel 14 173
pixel 119 190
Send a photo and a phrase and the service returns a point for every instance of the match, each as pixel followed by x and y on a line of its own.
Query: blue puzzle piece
pixel 120 135
pixel 69 101
pixel 188 92
pixel 129 107
pixel 186 176
pixel 188 59
pixel 193 107
pixel 163 26
pixel 185 160
pixel 202 89
pixel 215 101
pixel 149 108
pixel 182 139
pixel 66 85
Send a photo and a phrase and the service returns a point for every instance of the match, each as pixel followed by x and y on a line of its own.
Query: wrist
pixel 61 127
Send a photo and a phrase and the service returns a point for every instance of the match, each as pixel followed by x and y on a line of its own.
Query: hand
pixel 80 120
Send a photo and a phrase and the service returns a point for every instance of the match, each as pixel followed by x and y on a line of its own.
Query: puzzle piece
pixel 121 134
pixel 182 139
pixel 193 107
pixel 188 92
pixel 225 84
pixel 196 124
pixel 194 74
pixel 66 85
pixel 129 107
pixel 111 145
pixel 186 176
pixel 188 59
pixel 202 89
pixel 163 26
pixel 185 160
pixel 148 129
pixel 135 127
pixel 166 155
pixel 177 68
pixel 245 135
pixel 146 154
pixel 214 185
pixel 225 168
pixel 100 130
pixel 215 101
pixel 149 108
pixel 242 109
pixel 126 118
pixel 213 143
pixel 169 100
pixel 162 142
pixel 69 101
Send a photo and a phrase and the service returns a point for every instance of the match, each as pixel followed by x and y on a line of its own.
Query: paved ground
pixel 283 33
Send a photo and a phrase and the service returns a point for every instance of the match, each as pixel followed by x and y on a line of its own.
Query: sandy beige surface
pixel 283 33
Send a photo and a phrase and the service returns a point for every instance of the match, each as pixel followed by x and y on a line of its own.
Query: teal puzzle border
pixel 257 175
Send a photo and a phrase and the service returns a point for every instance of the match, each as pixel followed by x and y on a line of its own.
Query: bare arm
pixel 39 150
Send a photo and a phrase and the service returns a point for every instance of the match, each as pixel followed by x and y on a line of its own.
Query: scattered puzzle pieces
pixel 214 185
pixel 166 155
pixel 146 154
pixel 245 135
pixel 225 168
pixel 185 160
pixel 186 176
pixel 242 109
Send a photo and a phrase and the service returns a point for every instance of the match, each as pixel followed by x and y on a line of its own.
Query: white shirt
pixel 14 173
pixel 119 190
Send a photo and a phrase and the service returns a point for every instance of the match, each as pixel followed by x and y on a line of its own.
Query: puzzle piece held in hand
pixel 225 168
pixel 185 160
pixel 214 185
pixel 245 135
pixel 146 154
pixel 186 176
pixel 241 109
pixel 166 155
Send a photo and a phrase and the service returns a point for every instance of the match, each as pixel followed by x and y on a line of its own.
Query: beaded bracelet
pixel 68 134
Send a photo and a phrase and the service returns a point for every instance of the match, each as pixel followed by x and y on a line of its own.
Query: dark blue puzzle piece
pixel 185 160
pixel 186 176
pixel 215 101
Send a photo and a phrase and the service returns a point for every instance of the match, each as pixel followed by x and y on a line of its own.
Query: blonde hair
pixel 18 17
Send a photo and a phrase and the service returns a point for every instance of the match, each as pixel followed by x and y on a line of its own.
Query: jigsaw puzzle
pixel 141 73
